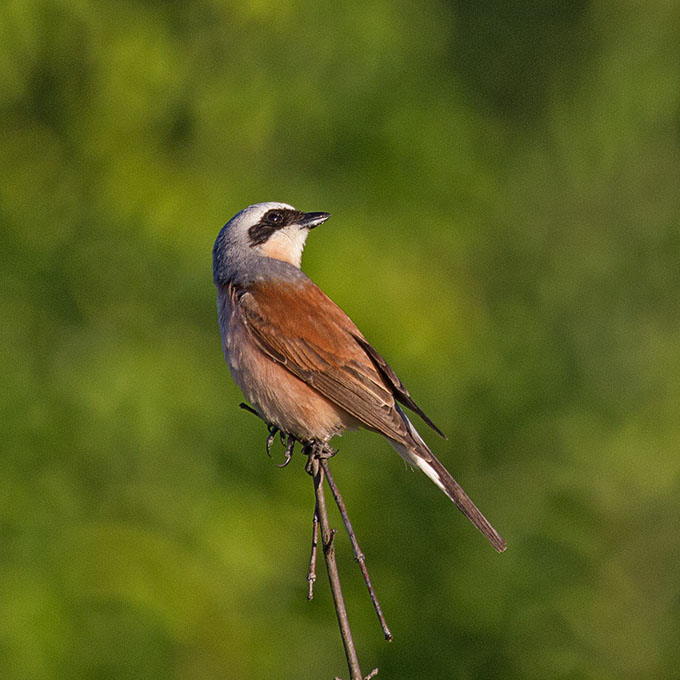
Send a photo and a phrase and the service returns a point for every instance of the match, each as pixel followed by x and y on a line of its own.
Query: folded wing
pixel 328 352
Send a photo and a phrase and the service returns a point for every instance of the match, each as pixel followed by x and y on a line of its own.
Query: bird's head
pixel 274 230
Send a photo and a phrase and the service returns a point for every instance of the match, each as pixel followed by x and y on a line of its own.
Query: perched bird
pixel 299 359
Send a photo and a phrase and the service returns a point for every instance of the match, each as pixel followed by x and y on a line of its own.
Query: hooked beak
pixel 310 220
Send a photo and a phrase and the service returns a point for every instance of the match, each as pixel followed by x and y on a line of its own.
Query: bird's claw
pixel 270 439
pixel 286 439
pixel 289 450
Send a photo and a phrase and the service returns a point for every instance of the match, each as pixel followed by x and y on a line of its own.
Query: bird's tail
pixel 419 455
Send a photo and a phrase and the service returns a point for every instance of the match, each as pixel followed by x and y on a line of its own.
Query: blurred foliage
pixel 504 181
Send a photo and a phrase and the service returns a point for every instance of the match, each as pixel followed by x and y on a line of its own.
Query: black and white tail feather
pixel 420 456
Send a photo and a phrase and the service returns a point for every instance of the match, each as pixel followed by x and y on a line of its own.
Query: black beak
pixel 313 219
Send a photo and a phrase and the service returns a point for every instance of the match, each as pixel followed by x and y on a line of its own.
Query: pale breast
pixel 279 397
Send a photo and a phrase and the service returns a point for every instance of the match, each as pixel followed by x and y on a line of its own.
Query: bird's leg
pixel 289 450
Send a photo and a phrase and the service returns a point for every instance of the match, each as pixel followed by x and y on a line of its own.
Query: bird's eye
pixel 275 217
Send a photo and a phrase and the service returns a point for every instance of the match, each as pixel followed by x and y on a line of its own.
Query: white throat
pixel 286 244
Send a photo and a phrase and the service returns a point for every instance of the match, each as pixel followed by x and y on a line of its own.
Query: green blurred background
pixel 504 179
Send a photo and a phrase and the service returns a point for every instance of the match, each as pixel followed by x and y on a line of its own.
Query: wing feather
pixel 327 351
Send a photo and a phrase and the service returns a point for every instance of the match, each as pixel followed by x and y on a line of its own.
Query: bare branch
pixel 358 554
pixel 332 568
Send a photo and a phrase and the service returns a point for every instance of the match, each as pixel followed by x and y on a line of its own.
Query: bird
pixel 299 360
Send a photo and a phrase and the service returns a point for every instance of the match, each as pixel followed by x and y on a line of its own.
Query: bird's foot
pixel 288 440
pixel 290 445
pixel 316 450
pixel 273 429
pixel 325 450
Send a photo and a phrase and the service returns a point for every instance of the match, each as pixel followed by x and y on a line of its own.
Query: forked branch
pixel 318 468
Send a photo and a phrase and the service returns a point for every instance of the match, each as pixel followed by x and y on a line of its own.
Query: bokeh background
pixel 504 179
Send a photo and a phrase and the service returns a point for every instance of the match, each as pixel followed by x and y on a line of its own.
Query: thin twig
pixel 332 568
pixel 358 554
pixel 311 574
pixel 317 464
pixel 249 408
